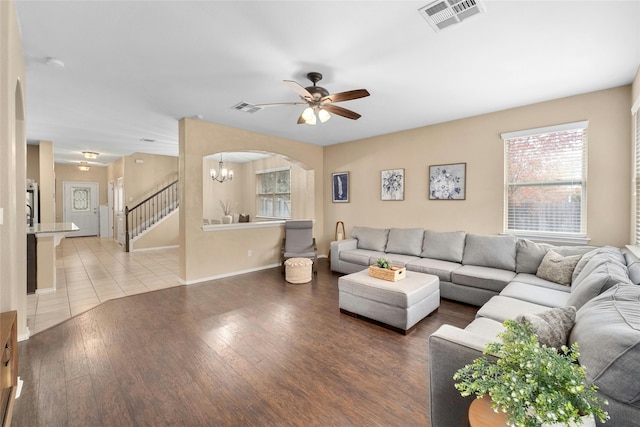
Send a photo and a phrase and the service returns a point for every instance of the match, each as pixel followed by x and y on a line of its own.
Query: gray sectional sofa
pixel 500 274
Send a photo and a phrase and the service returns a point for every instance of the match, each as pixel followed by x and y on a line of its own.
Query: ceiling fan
pixel 319 101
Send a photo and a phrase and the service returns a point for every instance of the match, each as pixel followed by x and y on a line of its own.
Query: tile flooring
pixel 92 270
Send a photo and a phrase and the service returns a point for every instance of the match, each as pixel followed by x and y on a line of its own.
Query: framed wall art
pixel 340 187
pixel 392 184
pixel 448 182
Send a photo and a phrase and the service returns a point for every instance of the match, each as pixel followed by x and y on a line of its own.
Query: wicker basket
pixel 393 275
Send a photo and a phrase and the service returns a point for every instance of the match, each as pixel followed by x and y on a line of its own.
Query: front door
pixel 81 207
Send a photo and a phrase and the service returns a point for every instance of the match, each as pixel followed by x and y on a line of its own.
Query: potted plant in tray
pixel 385 271
pixel 532 385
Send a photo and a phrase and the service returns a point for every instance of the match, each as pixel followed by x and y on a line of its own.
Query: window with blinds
pixel 545 180
pixel 637 177
pixel 274 193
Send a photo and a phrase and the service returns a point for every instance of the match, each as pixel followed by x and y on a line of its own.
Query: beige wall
pixel 208 254
pixel 13 164
pixel 72 173
pixel 46 183
pixel 162 235
pixel 33 162
pixel 477 142
pixel 143 179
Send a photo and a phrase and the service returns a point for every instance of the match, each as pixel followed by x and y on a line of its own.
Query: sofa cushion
pixel 493 279
pixel 534 280
pixel 607 331
pixel 360 256
pixel 536 294
pixel 529 255
pixel 501 308
pixel 444 245
pixel 634 273
pixel 437 267
pixel 553 326
pixel 557 268
pixel 490 251
pixel 485 327
pixel 594 258
pixel 602 278
pixel 633 266
pixel 396 259
pixel 405 241
pixel 374 239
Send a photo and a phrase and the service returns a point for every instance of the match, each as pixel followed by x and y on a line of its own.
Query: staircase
pixel 144 215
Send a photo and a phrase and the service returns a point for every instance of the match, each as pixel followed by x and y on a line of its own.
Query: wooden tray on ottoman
pixel 392 275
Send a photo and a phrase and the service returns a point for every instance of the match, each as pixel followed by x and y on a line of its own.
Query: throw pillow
pixel 553 326
pixel 557 268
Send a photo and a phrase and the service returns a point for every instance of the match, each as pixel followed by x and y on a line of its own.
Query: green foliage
pixel 532 384
pixel 383 263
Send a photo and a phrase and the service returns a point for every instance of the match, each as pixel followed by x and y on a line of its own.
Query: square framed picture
pixel 448 182
pixel 340 187
pixel 392 184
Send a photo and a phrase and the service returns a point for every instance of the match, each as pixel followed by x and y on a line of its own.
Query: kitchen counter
pixel 48 236
pixel 54 227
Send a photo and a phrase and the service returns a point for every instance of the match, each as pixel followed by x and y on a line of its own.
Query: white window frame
pixel 579 237
pixel 258 194
pixel 635 188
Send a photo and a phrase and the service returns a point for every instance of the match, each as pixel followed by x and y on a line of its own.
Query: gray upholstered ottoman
pixel 399 305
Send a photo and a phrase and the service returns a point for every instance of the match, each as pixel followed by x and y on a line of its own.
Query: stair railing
pixel 149 211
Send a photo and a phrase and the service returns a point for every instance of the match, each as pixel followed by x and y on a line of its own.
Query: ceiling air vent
pixel 246 107
pixel 441 14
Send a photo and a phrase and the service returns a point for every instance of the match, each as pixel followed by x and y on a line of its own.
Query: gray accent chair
pixel 299 242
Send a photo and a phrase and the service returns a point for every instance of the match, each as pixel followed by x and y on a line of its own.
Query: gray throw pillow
pixel 373 239
pixel 557 268
pixel 405 241
pixel 552 327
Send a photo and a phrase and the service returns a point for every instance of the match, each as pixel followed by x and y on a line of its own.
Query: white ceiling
pixel 134 68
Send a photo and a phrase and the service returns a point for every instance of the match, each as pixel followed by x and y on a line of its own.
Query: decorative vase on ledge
pixel 227 219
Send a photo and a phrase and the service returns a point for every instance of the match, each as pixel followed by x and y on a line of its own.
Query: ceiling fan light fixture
pixel 309 116
pixel 323 115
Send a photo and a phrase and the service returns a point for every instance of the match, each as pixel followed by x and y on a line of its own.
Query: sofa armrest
pixel 341 245
pixel 450 348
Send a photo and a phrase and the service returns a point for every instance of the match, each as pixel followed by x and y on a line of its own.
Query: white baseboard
pixel 131 249
pixel 223 275
pixel 45 291
pixel 25 336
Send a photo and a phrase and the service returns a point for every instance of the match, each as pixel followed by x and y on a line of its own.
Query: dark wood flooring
pixel 250 350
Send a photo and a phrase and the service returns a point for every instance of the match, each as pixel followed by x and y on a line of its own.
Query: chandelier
pixel 223 175
pixel 84 166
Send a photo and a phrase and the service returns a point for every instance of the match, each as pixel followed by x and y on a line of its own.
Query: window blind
pixel 637 177
pixel 545 180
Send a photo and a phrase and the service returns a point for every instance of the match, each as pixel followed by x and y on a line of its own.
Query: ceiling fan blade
pixel 346 96
pixel 342 112
pixel 304 94
pixel 278 104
